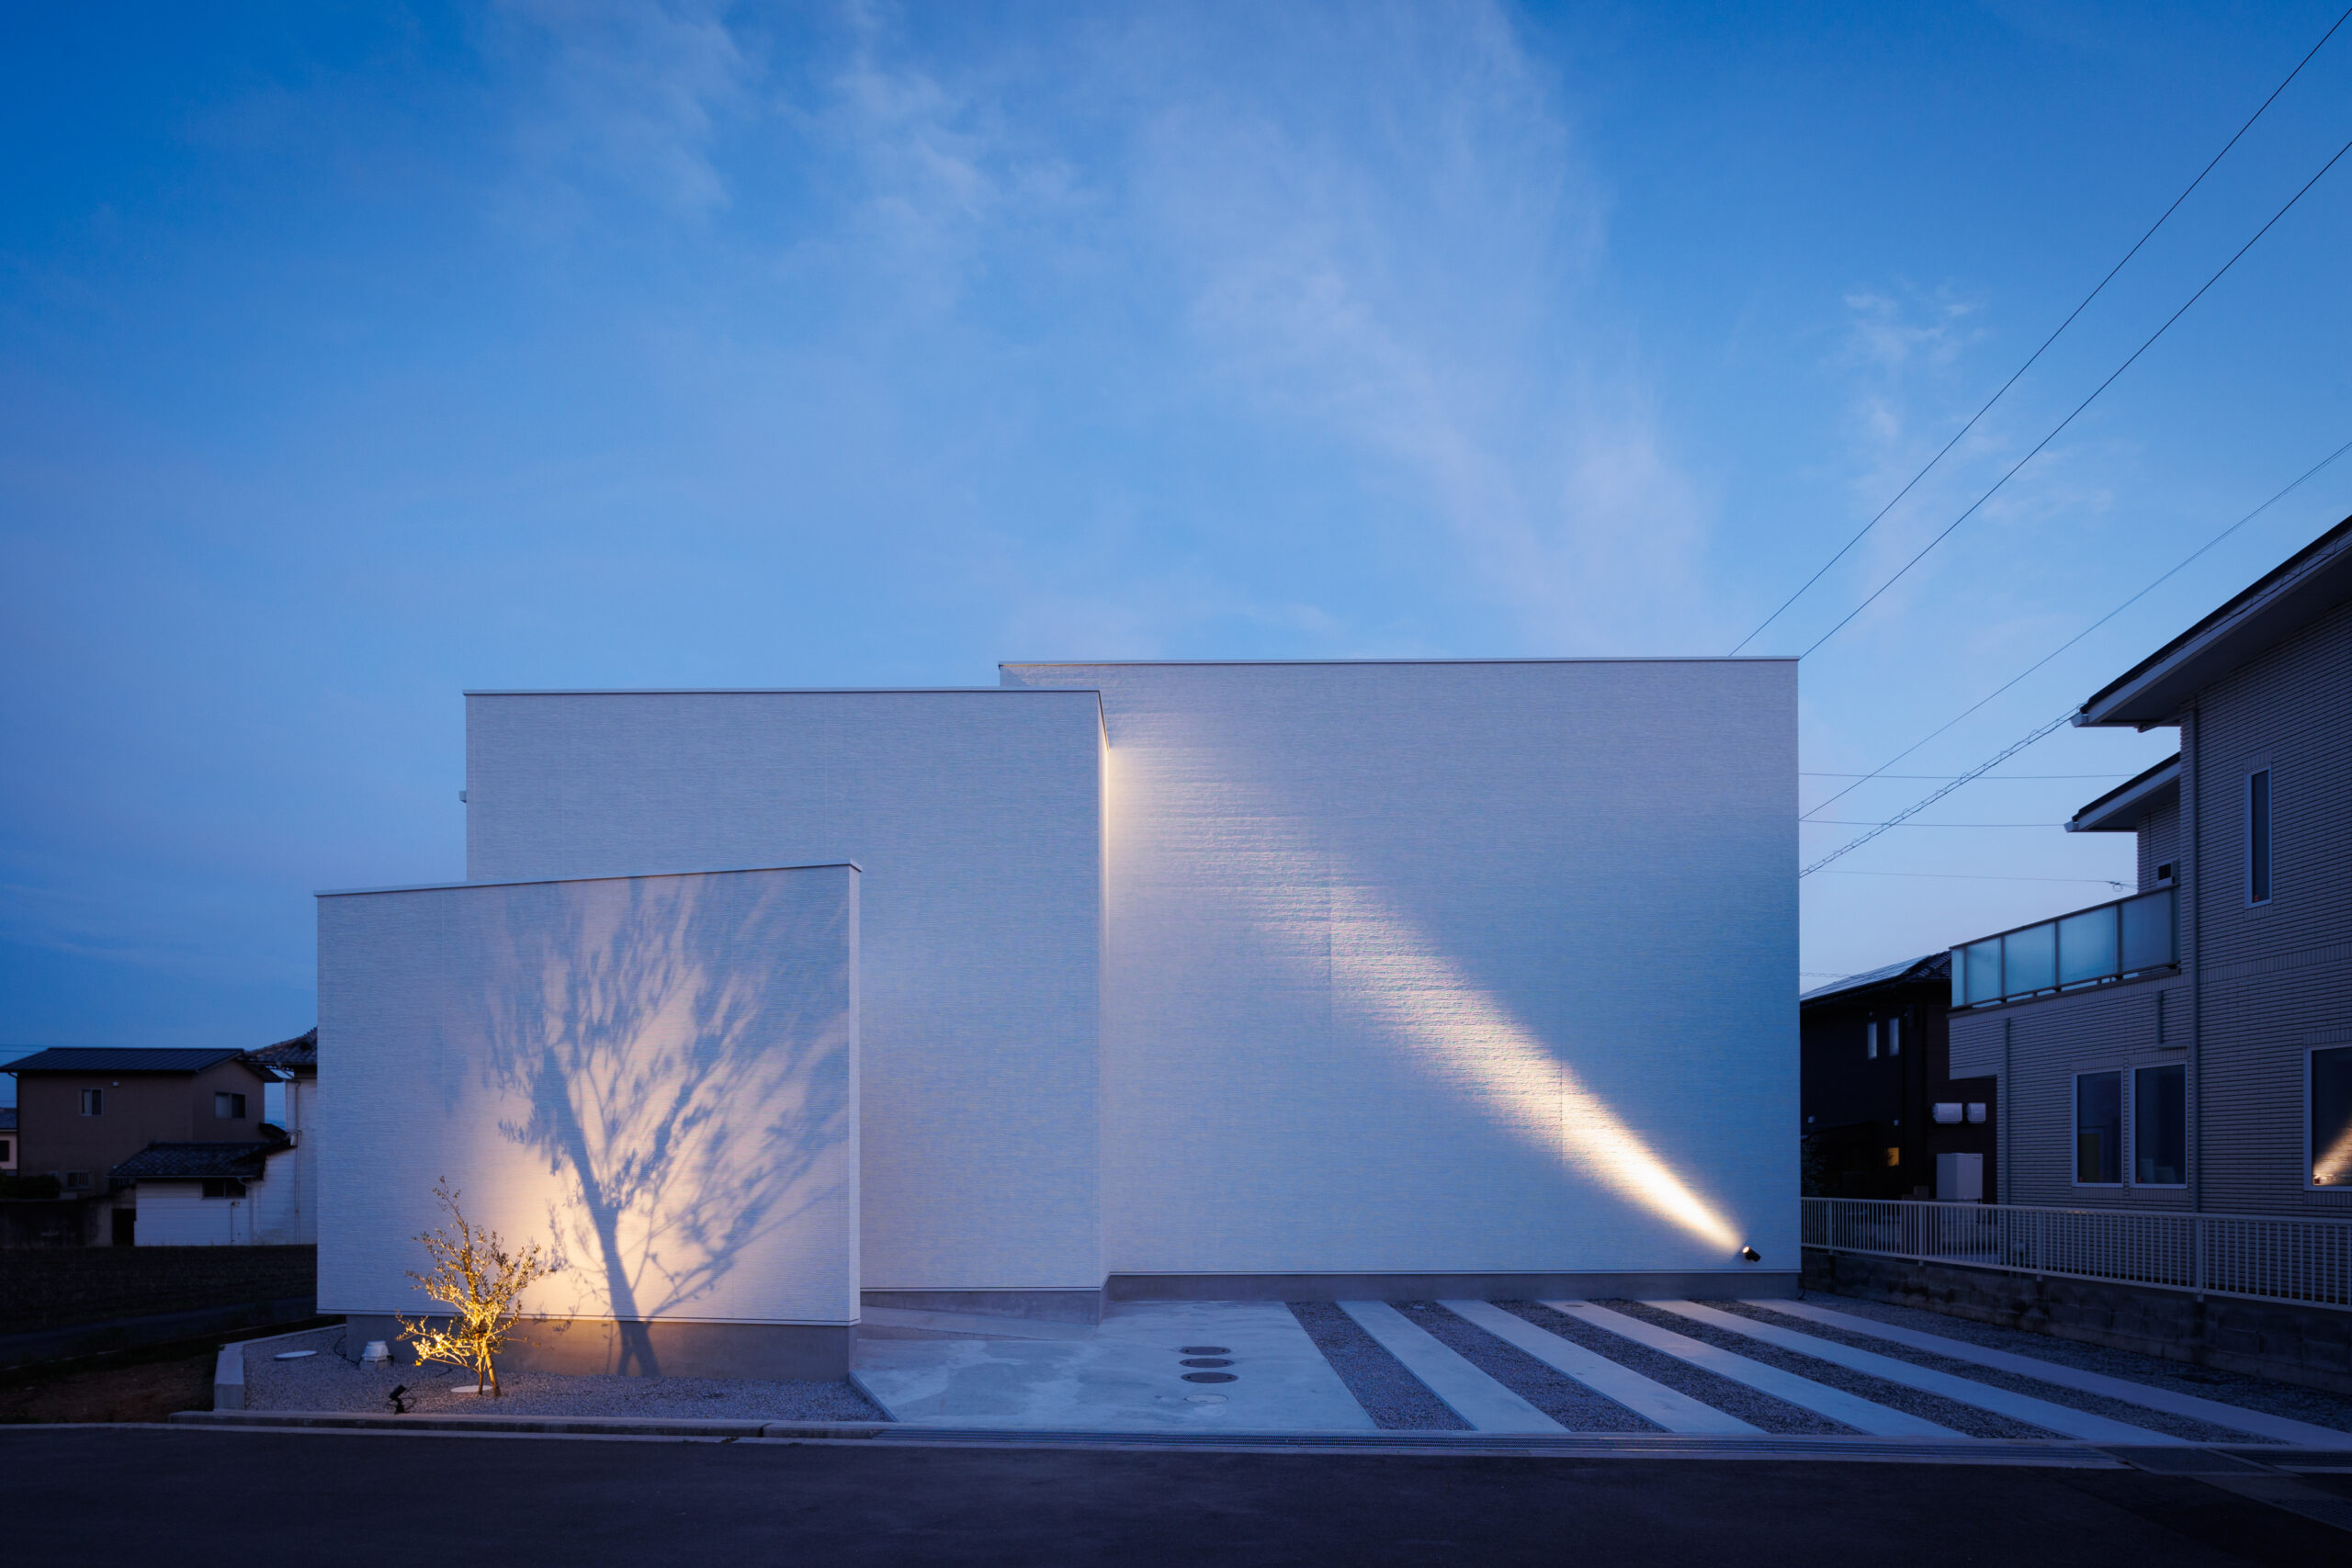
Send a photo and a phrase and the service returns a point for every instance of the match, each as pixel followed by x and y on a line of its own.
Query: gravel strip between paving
pixel 327 1381
pixel 2184 1426
pixel 1392 1396
pixel 1550 1389
pixel 1944 1412
pixel 2290 1400
pixel 1760 1410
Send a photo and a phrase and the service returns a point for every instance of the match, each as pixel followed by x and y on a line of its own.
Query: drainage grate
pixel 1210 1377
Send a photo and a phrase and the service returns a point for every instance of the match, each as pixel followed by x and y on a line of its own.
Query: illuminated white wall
pixel 1448 967
pixel 975 817
pixel 655 1075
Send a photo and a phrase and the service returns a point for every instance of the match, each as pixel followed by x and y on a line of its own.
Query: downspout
pixel 2008 1076
pixel 2192 812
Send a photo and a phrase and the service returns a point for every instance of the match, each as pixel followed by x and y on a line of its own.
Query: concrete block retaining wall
pixel 2306 1345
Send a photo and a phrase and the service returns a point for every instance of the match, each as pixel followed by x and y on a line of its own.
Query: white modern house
pixel 1298 981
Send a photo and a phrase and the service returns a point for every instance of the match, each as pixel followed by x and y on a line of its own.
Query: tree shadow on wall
pixel 683 1046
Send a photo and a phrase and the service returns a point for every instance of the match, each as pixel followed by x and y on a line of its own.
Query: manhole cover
pixel 1205 1361
pixel 1210 1377
pixel 1206 1350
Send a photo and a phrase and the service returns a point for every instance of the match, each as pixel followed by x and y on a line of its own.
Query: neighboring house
pixel 2190 1046
pixel 1883 1116
pixel 1266 981
pixel 297 1061
pixel 9 1139
pixel 83 1111
pixel 211 1194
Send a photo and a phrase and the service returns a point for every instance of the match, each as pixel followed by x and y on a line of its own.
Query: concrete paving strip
pixel 2063 1420
pixel 1862 1415
pixel 1671 1408
pixel 903 1323
pixel 2236 1418
pixel 1129 1375
pixel 1478 1398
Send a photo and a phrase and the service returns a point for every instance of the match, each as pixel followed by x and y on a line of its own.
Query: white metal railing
pixel 2259 1255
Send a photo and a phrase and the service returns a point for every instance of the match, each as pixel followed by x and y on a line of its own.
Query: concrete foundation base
pixel 1051 1306
pixel 1709 1285
pixel 585 1345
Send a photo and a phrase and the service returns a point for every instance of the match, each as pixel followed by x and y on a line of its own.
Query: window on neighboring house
pixel 2099 1129
pixel 2331 1126
pixel 223 1187
pixel 229 1107
pixel 93 1101
pixel 2160 1126
pixel 77 1181
pixel 8 1151
pixel 1894 1037
pixel 1870 1040
pixel 2257 837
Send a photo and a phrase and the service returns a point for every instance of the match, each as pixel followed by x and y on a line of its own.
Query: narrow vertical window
pixel 2099 1129
pixel 2257 838
pixel 2160 1126
pixel 1894 1037
pixel 1870 1040
pixel 93 1101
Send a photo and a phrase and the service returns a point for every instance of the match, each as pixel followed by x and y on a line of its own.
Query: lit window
pixel 2257 838
pixel 229 1107
pixel 2331 1099
pixel 2160 1126
pixel 2099 1129
pixel 92 1100
pixel 1870 1040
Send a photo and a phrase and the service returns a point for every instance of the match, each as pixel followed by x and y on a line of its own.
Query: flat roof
pixel 614 877
pixel 2120 808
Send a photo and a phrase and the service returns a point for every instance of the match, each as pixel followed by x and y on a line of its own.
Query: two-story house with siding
pixel 2190 1046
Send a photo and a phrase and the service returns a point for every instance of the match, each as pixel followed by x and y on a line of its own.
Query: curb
pixel 229 1377
pixel 545 1426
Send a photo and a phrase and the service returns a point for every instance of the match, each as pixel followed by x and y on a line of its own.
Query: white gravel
pixel 327 1381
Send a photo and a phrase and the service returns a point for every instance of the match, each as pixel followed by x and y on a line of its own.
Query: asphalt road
pixel 101 1496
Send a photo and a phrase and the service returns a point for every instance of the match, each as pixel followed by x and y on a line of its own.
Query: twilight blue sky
pixel 351 356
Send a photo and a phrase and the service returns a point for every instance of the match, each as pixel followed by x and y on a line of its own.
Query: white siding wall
pixel 1448 967
pixel 975 817
pixel 177 1213
pixel 656 1075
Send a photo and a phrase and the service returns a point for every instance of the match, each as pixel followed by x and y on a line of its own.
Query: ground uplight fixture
pixel 1750 1254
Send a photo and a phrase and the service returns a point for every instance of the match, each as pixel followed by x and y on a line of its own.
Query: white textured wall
pixel 975 817
pixel 177 1213
pixel 1439 967
pixel 656 1076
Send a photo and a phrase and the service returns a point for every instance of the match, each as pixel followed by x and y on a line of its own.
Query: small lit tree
pixel 479 1280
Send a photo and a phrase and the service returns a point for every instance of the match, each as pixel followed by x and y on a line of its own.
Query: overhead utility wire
pixel 2061 326
pixel 1899 818
pixel 2077 410
pixel 2293 485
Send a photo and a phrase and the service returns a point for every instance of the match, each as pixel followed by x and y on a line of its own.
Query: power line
pixel 2186 561
pixel 2037 353
pixel 2057 429
pixel 1981 876
pixel 1899 818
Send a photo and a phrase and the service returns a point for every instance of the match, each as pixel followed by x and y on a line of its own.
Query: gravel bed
pixel 2184 1426
pixel 1760 1410
pixel 1550 1389
pixel 2290 1400
pixel 1934 1407
pixel 327 1381
pixel 1393 1397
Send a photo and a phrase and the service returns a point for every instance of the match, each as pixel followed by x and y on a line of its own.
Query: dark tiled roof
pixel 93 1060
pixel 194 1162
pixel 303 1051
pixel 1918 971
